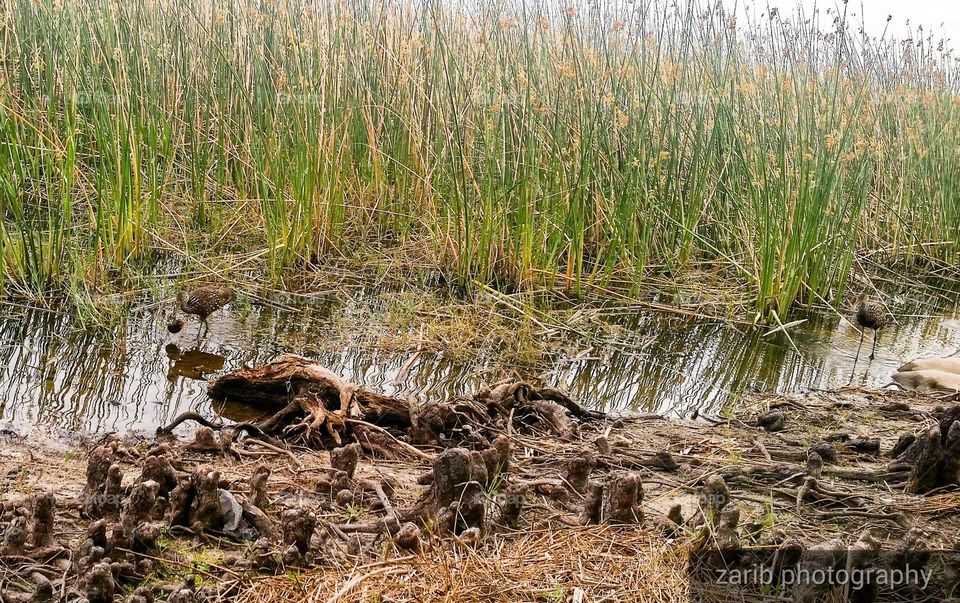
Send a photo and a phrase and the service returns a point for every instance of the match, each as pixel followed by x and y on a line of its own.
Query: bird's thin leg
pixel 873 352
pixel 857 358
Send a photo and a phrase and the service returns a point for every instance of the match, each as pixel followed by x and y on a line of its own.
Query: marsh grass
pixel 530 145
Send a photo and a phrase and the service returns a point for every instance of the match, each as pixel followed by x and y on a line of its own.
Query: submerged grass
pixel 528 145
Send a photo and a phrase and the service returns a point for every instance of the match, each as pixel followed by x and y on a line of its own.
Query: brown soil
pixel 547 506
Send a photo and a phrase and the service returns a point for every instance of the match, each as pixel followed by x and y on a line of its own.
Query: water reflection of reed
pixel 55 375
pixel 683 367
pixel 78 380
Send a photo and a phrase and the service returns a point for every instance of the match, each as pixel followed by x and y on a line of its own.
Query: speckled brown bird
pixel 201 302
pixel 871 314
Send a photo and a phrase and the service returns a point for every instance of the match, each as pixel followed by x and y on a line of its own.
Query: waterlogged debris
pixel 947 365
pixel 785 327
pixel 314 406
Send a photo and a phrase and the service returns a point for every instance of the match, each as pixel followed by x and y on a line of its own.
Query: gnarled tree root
pixel 308 404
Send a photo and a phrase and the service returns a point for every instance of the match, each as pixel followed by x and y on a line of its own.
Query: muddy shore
pixel 628 507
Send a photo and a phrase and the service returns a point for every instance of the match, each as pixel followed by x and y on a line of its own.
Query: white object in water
pixel 928 380
pixel 946 365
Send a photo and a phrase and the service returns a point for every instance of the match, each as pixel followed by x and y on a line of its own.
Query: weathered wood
pixel 624 495
pixel 308 403
pixel 923 477
pixel 276 384
pixel 458 476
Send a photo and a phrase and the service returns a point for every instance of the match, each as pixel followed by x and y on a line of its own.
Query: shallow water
pixel 54 376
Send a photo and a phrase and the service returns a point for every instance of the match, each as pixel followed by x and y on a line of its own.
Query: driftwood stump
pixel 579 469
pixel 100 585
pixel 624 495
pixel 44 508
pixel 307 403
pixel 195 502
pixel 157 468
pixel 592 510
pixel 455 497
pixel 345 458
pixel 258 487
pixel 934 459
pixel 298 526
pixel 713 498
pixel 98 467
pixel 408 538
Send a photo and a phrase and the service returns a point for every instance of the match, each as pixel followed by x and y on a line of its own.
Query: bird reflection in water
pixel 192 364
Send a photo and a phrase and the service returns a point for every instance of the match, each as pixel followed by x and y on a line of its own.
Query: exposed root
pixel 308 404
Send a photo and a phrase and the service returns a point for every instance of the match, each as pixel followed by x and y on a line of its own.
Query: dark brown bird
pixel 871 314
pixel 201 302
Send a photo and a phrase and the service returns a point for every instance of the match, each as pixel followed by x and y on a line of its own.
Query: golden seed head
pixel 620 119
pixel 832 139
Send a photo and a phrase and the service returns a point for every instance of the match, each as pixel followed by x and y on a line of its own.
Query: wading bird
pixel 871 314
pixel 201 302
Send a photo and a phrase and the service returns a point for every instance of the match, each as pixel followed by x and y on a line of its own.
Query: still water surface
pixel 57 378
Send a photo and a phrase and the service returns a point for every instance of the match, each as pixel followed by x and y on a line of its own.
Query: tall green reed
pixel 525 145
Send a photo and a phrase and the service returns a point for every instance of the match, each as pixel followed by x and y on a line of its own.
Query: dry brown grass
pixel 596 563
